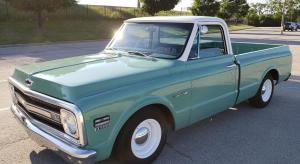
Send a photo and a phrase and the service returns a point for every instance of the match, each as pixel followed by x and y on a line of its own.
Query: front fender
pixel 103 140
pixel 138 105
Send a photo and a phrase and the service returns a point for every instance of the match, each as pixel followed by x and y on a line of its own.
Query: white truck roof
pixel 176 19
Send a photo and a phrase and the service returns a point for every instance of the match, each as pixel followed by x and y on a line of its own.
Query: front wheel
pixel 264 94
pixel 142 138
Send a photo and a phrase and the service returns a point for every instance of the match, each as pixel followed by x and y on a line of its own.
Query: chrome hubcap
pixel 266 90
pixel 146 138
pixel 141 135
pixel 263 91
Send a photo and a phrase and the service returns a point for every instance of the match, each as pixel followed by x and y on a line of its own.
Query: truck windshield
pixel 161 40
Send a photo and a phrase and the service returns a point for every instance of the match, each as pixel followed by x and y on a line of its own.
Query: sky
pixel 133 3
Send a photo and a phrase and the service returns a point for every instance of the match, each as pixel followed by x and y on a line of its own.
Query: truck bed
pixel 242 47
pixel 257 58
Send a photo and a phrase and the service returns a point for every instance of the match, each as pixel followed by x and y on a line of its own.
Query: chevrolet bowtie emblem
pixel 28 82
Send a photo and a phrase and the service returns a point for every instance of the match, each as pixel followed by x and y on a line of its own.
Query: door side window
pixel 208 43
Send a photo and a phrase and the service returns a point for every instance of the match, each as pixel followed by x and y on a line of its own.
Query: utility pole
pixel 283 15
pixel 138 4
pixel 6 7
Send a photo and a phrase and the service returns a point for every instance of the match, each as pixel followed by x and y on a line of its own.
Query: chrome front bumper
pixel 69 152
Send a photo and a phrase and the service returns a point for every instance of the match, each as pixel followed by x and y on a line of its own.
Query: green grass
pixel 84 12
pixel 235 27
pixel 74 24
pixel 77 23
pixel 61 30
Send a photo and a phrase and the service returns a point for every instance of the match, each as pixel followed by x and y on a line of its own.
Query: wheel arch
pixel 273 72
pixel 145 104
pixel 165 110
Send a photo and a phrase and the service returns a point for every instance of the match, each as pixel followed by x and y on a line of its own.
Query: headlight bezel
pixel 65 116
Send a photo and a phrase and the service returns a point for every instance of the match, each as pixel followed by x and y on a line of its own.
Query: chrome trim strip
pixel 37 110
pixel 32 108
pixel 45 113
pixel 57 102
pixel 45 139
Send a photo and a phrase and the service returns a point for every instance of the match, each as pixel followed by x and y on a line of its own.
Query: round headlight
pixel 69 122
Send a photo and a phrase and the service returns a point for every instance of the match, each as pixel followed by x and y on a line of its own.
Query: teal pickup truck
pixel 157 74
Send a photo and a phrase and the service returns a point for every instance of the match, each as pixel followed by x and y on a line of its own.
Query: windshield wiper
pixel 137 53
pixel 144 54
pixel 112 49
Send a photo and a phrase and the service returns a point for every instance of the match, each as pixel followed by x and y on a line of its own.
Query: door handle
pixel 184 93
pixel 231 66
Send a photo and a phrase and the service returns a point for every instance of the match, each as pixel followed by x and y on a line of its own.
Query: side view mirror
pixel 203 29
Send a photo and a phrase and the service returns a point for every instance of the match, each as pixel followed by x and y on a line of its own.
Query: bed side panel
pixel 255 65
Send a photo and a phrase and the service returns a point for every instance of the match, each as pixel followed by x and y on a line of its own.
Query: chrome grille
pixel 38 107
pixel 39 110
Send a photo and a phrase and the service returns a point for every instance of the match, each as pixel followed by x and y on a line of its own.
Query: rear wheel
pixel 264 94
pixel 142 138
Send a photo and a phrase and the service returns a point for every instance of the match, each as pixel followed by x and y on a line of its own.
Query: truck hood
pixel 73 78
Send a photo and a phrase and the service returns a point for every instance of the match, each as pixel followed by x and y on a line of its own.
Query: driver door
pixel 212 72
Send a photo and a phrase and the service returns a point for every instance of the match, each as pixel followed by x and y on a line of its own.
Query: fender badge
pixel 102 122
pixel 28 82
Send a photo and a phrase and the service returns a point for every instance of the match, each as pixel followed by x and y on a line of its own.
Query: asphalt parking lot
pixel 245 135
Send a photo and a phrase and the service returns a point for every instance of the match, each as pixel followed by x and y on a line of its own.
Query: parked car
pixel 298 25
pixel 290 26
pixel 156 74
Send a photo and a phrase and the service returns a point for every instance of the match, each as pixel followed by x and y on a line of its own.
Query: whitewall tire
pixel 264 93
pixel 142 138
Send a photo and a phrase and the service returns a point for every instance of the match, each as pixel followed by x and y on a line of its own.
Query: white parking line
pixel 4 109
pixel 3 81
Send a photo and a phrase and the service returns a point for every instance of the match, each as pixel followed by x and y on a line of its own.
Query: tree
pixel 253 17
pixel 154 6
pixel 274 12
pixel 205 7
pixel 225 10
pixel 39 7
pixel 292 9
pixel 242 10
pixel 298 19
pixel 260 8
pixel 234 8
pixel 274 7
pixel 138 4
